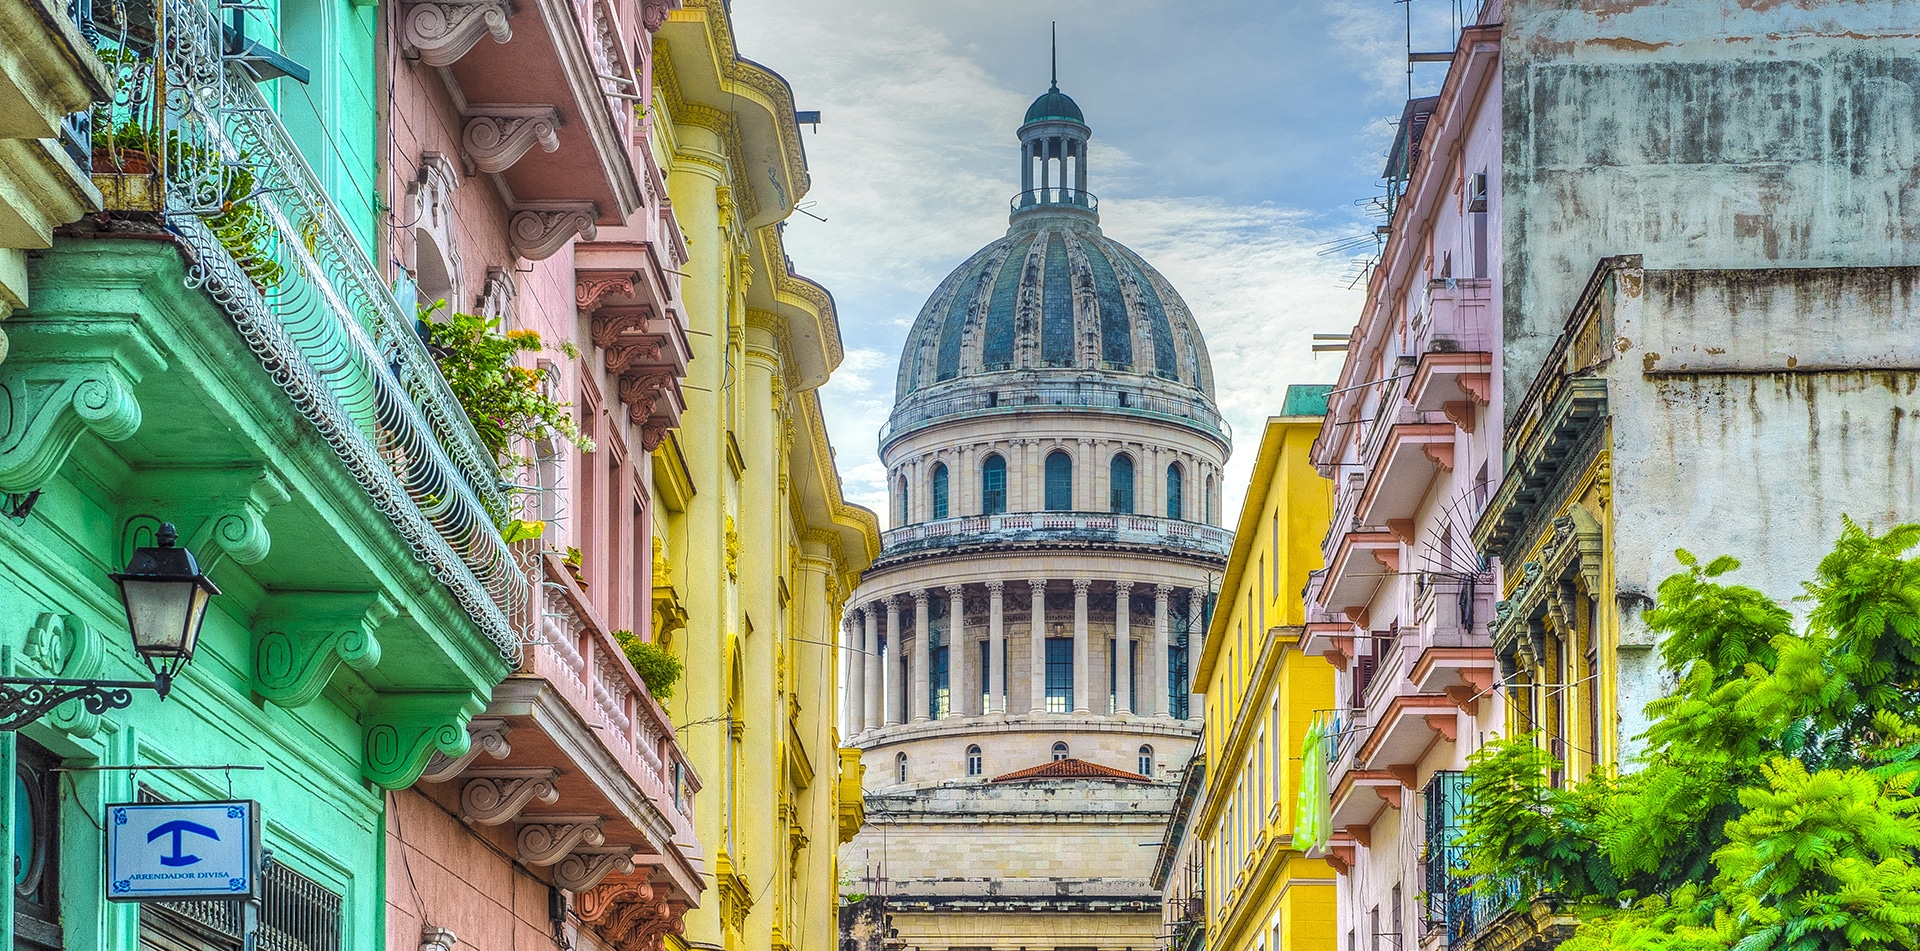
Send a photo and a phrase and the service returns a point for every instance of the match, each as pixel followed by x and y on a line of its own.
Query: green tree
pixel 1774 806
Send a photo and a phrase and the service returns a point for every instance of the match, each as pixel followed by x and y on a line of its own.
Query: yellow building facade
pixel 1261 691
pixel 756 549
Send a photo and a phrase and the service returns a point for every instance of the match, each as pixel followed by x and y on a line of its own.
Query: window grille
pixel 296 914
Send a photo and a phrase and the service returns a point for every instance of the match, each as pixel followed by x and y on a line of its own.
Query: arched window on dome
pixel 1059 752
pixel 1146 760
pixel 1207 500
pixel 939 490
pixel 901 513
pixel 1059 482
pixel 1174 502
pixel 900 767
pixel 993 486
pixel 974 764
pixel 1120 485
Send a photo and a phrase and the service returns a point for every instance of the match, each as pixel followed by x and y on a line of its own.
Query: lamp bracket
pixel 26 699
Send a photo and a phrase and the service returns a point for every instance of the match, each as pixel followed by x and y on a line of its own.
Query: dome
pixel 1054 104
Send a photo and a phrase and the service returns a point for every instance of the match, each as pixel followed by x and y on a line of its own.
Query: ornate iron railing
pixel 270 247
pixel 1197 537
pixel 1026 395
pixel 1058 196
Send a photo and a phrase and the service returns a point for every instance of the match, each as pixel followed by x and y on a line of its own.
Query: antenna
pixel 1056 56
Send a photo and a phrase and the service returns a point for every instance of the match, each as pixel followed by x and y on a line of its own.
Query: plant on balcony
pixel 502 398
pixel 1775 804
pixel 657 667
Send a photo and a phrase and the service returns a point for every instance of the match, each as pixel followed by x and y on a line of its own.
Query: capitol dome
pixel 1054 312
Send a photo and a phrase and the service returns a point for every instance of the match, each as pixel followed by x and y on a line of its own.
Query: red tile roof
pixel 1071 768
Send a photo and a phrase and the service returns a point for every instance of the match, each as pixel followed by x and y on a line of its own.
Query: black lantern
pixel 166 598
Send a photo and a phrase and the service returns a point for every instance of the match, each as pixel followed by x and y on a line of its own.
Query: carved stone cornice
pixel 495 137
pixel 642 391
pixel 583 868
pixel 545 840
pixel 493 797
pixel 591 286
pixel 486 735
pixel 442 31
pixel 594 905
pixel 399 732
pixel 653 13
pixel 538 229
pixel 65 378
pixel 301 638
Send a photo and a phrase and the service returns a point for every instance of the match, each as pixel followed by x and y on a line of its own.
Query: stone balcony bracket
pixel 493 797
pixel 304 637
pixel 442 31
pixel 495 137
pixel 584 868
pixel 539 228
pixel 488 736
pixel 545 840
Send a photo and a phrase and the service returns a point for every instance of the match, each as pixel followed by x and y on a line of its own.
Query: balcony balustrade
pixel 190 140
pixel 1023 395
pixel 1055 529
pixel 1056 198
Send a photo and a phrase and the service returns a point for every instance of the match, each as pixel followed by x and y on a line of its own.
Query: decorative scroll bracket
pixel 442 31
pixel 401 730
pixel 584 868
pixel 65 377
pixel 546 840
pixel 64 646
pixel 303 637
pixel 595 904
pixel 495 137
pixel 487 735
pixel 538 229
pixel 495 796
pixel 221 512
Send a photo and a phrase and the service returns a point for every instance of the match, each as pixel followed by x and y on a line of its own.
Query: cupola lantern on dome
pixel 1053 155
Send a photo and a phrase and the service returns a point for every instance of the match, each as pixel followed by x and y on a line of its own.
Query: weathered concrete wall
pixel 1728 134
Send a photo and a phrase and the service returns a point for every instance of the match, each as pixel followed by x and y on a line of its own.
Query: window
pixel 1120 494
pixel 899 767
pixel 302 914
pixel 1059 752
pixel 36 846
pixel 939 490
pixel 1177 695
pixel 1059 482
pixel 973 761
pixel 1207 500
pixel 1146 761
pixel 985 664
pixel 939 697
pixel 993 486
pixel 1059 675
pixel 1174 506
pixel 900 511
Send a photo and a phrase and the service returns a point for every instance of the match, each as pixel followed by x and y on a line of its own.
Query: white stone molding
pixel 496 796
pixel 487 736
pixel 442 31
pixel 496 295
pixel 545 840
pixel 436 939
pixel 583 868
pixel 495 137
pixel 538 229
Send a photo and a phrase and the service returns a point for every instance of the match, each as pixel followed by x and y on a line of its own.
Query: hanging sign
pixel 171 850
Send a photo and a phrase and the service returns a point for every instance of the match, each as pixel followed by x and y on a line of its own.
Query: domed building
pixel 1019 691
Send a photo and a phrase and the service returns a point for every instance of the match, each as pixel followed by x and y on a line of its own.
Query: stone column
pixel 1123 645
pixel 921 650
pixel 1083 500
pixel 1158 688
pixel 1037 633
pixel 849 694
pixel 1148 484
pixel 1082 676
pixel 872 684
pixel 996 645
pixel 1196 600
pixel 892 666
pixel 959 655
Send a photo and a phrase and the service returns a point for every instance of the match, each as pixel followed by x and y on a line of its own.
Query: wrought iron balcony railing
pixel 1054 199
pixel 190 137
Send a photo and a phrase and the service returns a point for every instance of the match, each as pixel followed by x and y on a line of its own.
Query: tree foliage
pixel 1774 805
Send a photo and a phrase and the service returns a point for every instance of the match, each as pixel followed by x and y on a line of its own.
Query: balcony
pixel 191 144
pixel 1360 796
pixel 577 748
pixel 1024 392
pixel 1455 658
pixel 1455 316
pixel 1401 475
pixel 1055 199
pixel 1053 531
pixel 547 92
pixel 1355 570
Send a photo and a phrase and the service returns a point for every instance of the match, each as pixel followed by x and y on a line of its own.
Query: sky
pixel 1236 145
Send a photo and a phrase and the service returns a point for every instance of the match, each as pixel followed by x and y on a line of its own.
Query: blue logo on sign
pixel 178 828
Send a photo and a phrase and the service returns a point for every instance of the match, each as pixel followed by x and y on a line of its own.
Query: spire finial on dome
pixel 1056 57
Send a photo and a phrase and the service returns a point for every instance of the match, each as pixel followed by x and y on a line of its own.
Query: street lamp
pixel 166 598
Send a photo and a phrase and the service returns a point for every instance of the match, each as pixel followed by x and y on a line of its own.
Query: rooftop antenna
pixel 1056 57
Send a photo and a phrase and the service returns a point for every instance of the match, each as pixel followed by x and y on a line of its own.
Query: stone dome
pixel 1054 104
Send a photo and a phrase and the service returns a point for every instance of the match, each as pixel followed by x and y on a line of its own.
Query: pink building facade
pixel 522 185
pixel 1412 443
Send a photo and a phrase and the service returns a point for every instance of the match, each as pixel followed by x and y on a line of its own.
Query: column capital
pixel 890 602
pixel 1123 587
pixel 1163 591
pixel 996 586
pixel 955 589
pixel 1039 585
pixel 920 596
pixel 1080 585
